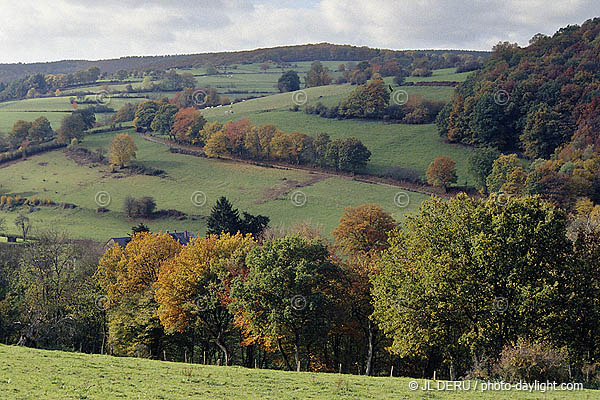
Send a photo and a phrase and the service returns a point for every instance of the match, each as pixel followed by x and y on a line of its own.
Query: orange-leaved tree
pixel 193 288
pixel 363 229
pixel 441 172
pixel 362 235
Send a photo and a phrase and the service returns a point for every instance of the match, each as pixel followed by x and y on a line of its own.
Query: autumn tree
pixel 188 125
pixel 19 132
pixel 441 172
pixel 125 113
pixel 128 276
pixel 363 229
pixel 318 75
pixel 362 234
pixel 122 149
pixel 40 130
pixel 193 288
pixel 217 145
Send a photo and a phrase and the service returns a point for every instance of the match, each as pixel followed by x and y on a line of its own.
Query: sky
pixel 49 30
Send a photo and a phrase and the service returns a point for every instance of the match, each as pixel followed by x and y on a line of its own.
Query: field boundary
pixel 364 178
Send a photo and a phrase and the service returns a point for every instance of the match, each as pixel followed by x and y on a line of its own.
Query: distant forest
pixel 431 59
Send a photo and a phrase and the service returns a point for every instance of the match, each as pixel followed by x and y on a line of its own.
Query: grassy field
pixel 53 108
pixel 256 189
pixel 53 375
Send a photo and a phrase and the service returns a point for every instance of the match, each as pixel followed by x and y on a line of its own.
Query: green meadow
pixel 267 191
pixel 54 375
pixel 55 175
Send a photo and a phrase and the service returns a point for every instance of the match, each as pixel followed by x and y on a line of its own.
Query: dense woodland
pixel 542 103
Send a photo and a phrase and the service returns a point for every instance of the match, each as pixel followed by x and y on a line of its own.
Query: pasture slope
pixel 55 175
pixel 267 191
pixel 54 375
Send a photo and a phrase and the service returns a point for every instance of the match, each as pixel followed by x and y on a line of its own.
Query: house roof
pixel 183 238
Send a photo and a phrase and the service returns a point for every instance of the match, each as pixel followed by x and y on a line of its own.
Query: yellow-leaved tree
pixel 128 276
pixel 122 150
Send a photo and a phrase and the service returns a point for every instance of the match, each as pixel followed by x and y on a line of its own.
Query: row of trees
pixel 372 101
pixel 25 134
pixel 38 84
pixel 562 182
pixel 243 140
pixel 452 290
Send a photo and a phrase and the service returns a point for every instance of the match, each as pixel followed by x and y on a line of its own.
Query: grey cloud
pixel 59 29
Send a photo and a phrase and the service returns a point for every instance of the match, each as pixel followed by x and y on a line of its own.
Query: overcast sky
pixel 48 30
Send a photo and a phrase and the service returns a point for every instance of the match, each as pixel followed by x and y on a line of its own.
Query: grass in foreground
pixel 52 375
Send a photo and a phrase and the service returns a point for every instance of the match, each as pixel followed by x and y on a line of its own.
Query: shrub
pixel 143 207
pixel 394 112
pixel 422 72
pixel 10 201
pixel 527 361
pixel 403 174
pixel 2 200
pixel 19 200
pixel 35 201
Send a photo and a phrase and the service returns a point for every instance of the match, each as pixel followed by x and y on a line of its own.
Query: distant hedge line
pixel 30 150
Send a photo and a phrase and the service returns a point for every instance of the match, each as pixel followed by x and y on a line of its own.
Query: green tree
pixel 87 115
pixel 545 130
pixel 144 114
pixel 352 155
pixel 288 82
pixel 502 167
pixel 286 298
pixel 164 119
pixel 480 165
pixel 223 218
pixel 72 126
pixel 366 101
pixel 465 277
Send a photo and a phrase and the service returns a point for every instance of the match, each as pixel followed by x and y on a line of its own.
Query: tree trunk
pixel 224 349
pixel 285 358
pixel 370 346
pixel 297 352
